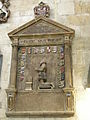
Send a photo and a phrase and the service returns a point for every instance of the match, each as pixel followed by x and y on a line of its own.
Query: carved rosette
pixel 4 11
pixel 42 10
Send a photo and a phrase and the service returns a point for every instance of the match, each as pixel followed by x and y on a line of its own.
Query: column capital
pixel 68 39
pixel 15 41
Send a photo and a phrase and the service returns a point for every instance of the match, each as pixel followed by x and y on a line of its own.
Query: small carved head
pixel 43 62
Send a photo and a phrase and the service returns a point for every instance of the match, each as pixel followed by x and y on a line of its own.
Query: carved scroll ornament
pixel 4 11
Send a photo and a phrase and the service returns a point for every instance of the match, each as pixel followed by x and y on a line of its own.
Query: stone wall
pixel 72 13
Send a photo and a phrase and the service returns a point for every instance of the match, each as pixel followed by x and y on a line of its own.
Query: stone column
pixel 68 62
pixel 13 71
pixel 11 91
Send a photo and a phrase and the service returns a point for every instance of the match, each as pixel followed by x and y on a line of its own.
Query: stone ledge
pixel 40 113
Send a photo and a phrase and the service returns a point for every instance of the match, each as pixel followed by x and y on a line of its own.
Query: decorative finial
pixel 4 11
pixel 42 10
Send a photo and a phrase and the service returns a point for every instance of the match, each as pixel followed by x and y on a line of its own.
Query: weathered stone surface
pixel 67 1
pixel 85 31
pixel 72 13
pixel 79 20
pixel 0 105
pixel 84 0
pixel 82 7
pixel 17 118
pixel 63 9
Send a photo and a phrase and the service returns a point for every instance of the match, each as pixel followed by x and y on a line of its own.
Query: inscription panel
pixel 38 42
pixel 41 102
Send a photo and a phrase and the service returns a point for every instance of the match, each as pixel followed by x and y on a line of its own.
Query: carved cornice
pixel 4 11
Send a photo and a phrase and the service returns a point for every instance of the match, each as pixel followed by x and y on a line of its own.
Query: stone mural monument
pixel 41 68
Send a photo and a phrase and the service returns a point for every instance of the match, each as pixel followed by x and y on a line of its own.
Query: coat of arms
pixel 42 10
pixel 4 11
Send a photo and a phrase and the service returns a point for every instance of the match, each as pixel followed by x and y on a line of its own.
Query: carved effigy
pixel 4 11
pixel 42 76
pixel 42 72
pixel 41 66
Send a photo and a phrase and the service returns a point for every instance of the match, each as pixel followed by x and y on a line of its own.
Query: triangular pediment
pixel 41 25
